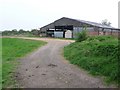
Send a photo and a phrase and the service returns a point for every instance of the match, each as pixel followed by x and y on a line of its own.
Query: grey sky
pixel 30 14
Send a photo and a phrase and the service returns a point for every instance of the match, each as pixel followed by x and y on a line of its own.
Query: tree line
pixel 33 32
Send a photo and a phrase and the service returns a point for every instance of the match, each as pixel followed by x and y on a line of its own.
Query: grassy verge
pixel 65 38
pixel 98 55
pixel 0 63
pixel 13 49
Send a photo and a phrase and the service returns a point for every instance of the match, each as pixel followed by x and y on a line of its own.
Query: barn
pixel 68 28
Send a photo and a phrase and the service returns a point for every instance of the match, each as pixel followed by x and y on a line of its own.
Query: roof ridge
pixel 91 23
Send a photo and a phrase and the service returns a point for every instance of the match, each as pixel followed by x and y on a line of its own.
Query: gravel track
pixel 47 68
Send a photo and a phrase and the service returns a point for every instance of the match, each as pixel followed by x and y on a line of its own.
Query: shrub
pixel 97 54
pixel 81 36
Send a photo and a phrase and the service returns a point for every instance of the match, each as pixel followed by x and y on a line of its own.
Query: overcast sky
pixel 30 14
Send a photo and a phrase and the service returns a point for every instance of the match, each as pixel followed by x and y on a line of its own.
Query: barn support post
pixel 46 32
pixel 63 32
pixel 54 31
pixel 103 31
pixel 98 31
pixel 111 32
pixel 55 28
pixel 72 33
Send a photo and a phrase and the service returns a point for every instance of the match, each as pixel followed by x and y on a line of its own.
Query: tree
pixel 21 31
pixel 35 32
pixel 105 22
pixel 14 31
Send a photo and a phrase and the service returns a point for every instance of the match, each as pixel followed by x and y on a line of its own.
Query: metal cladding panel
pixel 76 30
pixel 58 34
pixel 65 22
pixel 115 30
pixel 79 29
pixel 49 26
pixel 107 30
pixel 90 29
pixel 68 27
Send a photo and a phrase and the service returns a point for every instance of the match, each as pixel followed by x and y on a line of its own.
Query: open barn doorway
pixel 67 30
pixel 50 32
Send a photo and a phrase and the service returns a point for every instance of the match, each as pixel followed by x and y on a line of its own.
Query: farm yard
pixel 47 68
pixel 59 44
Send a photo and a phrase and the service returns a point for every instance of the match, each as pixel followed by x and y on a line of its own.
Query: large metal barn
pixel 68 28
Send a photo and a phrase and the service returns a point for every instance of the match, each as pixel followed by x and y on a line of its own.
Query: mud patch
pixel 52 65
pixel 37 66
pixel 43 74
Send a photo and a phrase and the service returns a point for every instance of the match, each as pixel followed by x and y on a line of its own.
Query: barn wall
pixel 50 26
pixel 64 22
pixel 43 34
pixel 115 33
pixel 58 34
pixel 93 33
pixel 109 32
pixel 90 30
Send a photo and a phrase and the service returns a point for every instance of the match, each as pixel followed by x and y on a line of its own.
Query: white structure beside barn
pixel 68 34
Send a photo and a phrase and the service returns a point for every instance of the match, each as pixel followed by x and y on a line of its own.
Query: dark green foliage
pixel 35 32
pixel 81 36
pixel 98 55
pixel 21 32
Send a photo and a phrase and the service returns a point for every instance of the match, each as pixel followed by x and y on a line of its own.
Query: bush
pixel 97 54
pixel 81 36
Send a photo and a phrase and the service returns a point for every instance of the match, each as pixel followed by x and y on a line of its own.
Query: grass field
pixel 0 63
pixel 13 49
pixel 98 55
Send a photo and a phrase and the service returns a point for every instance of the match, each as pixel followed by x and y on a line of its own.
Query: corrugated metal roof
pixel 86 22
pixel 92 23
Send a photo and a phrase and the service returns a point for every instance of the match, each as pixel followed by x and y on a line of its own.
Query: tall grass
pixel 98 55
pixel 13 49
pixel 0 63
